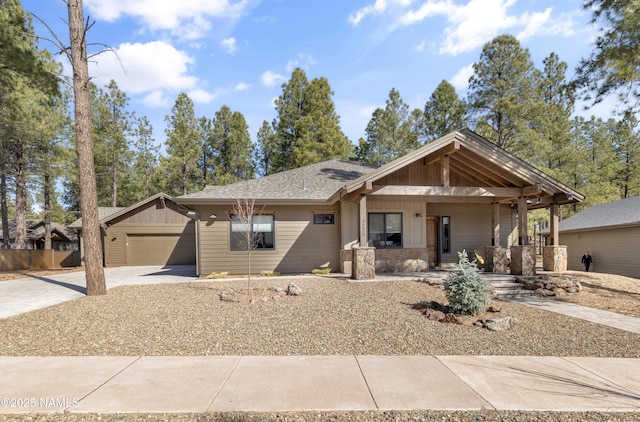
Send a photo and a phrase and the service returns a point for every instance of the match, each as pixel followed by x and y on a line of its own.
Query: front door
pixel 432 240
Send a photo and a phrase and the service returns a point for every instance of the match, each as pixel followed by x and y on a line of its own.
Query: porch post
pixel 495 256
pixel 363 265
pixel 362 215
pixel 523 256
pixel 523 239
pixel 553 227
pixel 495 224
pixel 554 256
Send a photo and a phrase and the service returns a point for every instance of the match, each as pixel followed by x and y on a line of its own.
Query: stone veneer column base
pixel 496 259
pixel 363 263
pixel 554 258
pixel 523 260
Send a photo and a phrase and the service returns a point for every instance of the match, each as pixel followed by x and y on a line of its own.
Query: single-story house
pixel 62 239
pixel 155 231
pixel 460 192
pixel 610 232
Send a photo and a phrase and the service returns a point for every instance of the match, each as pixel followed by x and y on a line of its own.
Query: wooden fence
pixel 37 259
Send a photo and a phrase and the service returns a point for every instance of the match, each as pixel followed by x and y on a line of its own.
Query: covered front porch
pixel 460 192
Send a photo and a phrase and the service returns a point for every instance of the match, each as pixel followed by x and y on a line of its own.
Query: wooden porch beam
pixel 452 148
pixel 391 190
pixel 445 171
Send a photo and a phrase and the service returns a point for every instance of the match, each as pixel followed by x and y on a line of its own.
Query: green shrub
pixel 325 271
pixel 466 290
pixel 269 273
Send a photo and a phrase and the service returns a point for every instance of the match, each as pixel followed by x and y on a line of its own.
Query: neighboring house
pixel 458 192
pixel 62 239
pixel 156 231
pixel 611 232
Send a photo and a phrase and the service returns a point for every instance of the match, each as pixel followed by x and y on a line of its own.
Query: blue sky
pixel 239 52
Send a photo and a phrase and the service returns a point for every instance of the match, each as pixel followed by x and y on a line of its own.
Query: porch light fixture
pixel 213 216
pixel 418 215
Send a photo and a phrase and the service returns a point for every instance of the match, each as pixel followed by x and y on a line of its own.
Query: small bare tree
pixel 243 215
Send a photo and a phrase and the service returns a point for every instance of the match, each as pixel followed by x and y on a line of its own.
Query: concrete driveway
pixel 28 294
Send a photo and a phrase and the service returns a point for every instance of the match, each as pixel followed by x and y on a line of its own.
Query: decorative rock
pixel 433 315
pixel 293 290
pixel 501 323
pixel 226 296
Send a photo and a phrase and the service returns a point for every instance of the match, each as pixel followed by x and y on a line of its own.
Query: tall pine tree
pixel 444 112
pixel 182 174
pixel 503 97
pixel 307 128
pixel 392 132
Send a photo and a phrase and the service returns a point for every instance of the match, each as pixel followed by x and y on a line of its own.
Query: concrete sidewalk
pixel 599 316
pixel 89 384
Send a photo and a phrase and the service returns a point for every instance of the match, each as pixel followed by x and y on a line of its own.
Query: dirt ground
pixel 608 292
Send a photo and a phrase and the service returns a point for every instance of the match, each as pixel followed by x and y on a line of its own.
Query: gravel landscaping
pixel 331 317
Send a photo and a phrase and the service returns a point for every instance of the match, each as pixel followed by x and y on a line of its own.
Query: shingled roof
pixel 312 183
pixel 623 212
pixel 103 212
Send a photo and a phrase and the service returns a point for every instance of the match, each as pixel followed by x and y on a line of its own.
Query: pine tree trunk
pixel 21 199
pixel 47 208
pixel 6 244
pixel 94 272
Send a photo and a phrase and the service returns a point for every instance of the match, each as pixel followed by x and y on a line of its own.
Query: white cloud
pixel 377 8
pixel 420 46
pixel 188 18
pixel 156 99
pixel 533 22
pixel 242 86
pixel 461 79
pixel 139 68
pixel 199 95
pixel 304 61
pixel 229 44
pixel 469 24
pixel 270 78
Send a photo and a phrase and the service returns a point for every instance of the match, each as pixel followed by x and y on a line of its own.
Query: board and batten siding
pixel 413 228
pixel 300 245
pixel 414 233
pixel 614 251
pixel 471 227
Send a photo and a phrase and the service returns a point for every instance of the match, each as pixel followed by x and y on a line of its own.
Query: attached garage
pixel 156 231
pixel 161 249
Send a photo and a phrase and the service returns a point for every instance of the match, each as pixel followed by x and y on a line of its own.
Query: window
pixel 385 230
pixel 323 219
pixel 446 234
pixel 262 232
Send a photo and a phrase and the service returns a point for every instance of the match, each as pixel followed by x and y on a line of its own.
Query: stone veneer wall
pixel 496 259
pixel 523 260
pixel 402 260
pixel 363 264
pixel 554 258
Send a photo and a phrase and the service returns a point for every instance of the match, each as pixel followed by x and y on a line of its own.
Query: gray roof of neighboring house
pixel 103 212
pixel 617 213
pixel 313 183
pixel 35 230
